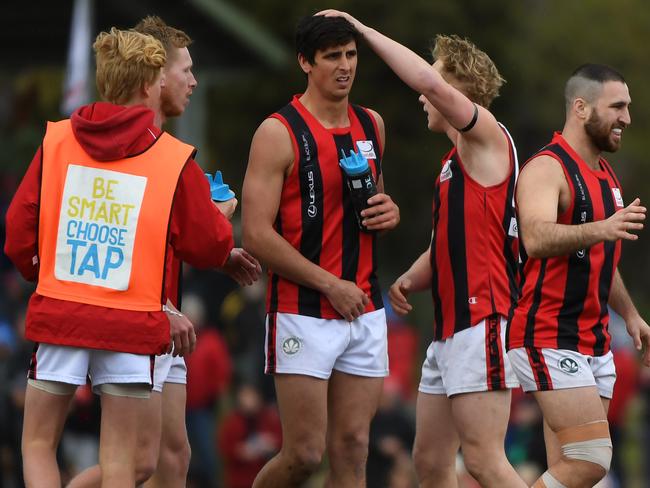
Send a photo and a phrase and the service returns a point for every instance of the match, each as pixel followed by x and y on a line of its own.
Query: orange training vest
pixel 103 225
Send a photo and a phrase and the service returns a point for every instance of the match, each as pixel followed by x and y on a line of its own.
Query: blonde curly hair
pixel 472 70
pixel 126 61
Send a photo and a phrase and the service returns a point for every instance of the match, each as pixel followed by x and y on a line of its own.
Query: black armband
pixel 472 122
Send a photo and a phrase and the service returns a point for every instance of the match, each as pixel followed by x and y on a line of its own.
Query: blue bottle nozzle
pixel 354 164
pixel 219 191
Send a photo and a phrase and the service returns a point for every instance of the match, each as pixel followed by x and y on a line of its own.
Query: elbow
pixel 250 239
pixel 533 248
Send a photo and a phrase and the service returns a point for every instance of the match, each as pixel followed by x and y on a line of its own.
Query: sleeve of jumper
pixel 21 244
pixel 199 233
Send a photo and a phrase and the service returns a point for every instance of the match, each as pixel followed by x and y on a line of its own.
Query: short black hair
pixel 587 82
pixel 598 72
pixel 317 32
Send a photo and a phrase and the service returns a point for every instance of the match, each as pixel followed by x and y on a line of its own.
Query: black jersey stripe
pixel 365 119
pixel 311 189
pixel 457 254
pixel 494 353
pixel 369 129
pixel 606 273
pixel 437 302
pixel 529 334
pixel 540 370
pixel 350 254
pixel 579 265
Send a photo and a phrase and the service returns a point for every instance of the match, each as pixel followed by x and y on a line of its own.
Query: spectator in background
pixel 392 432
pixel 242 316
pixel 208 377
pixel 248 437
pixel 402 353
pixel 625 389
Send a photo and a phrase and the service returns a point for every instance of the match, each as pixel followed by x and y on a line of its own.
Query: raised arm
pixel 270 160
pixel 542 191
pixel 459 111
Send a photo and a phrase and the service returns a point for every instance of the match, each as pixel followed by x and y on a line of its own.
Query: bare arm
pixel 271 157
pixel 484 148
pixel 542 191
pixel 417 278
pixel 621 303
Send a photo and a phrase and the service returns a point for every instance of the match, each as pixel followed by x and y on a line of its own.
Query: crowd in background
pixel 232 420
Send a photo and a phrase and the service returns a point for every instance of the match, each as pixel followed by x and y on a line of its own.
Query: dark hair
pixel 587 81
pixel 598 72
pixel 317 32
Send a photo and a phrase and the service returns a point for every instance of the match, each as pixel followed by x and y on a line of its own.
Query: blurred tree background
pixel 245 63
pixel 535 43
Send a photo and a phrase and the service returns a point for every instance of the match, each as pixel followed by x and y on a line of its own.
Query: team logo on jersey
pixel 367 149
pixel 446 174
pixel 291 346
pixel 513 230
pixel 618 198
pixel 311 208
pixel 568 365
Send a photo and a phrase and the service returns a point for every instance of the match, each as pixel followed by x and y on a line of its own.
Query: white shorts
pixel 557 369
pixel 311 346
pixel 471 360
pixel 169 369
pixel 73 365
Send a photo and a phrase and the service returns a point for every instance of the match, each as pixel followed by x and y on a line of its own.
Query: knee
pixel 145 467
pixel 175 456
pixel 351 445
pixel 589 448
pixel 430 465
pixel 306 458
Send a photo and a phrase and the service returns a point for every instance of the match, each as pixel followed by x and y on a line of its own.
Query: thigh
pixel 570 407
pixel 482 418
pixel 44 416
pixel 436 437
pixel 60 363
pixel 120 367
pixel 149 427
pixel 352 402
pixel 302 403
pixel 301 345
pixel 367 351
pixel 174 432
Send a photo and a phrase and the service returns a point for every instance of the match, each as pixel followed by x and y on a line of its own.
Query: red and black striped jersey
pixel 316 215
pixel 564 298
pixel 474 247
